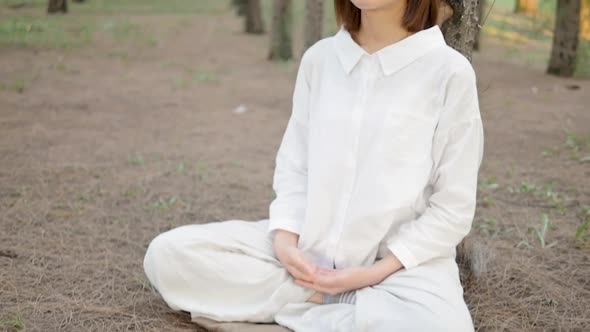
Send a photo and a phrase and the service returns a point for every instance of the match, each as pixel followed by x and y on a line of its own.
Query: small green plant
pixel 236 164
pixel 554 198
pixel 488 201
pixel 550 152
pixel 545 192
pixel 524 187
pixel 131 193
pixel 181 83
pixel 18 86
pixel 585 216
pixel 202 170
pixel 205 77
pixel 16 323
pixel 136 160
pixel 575 141
pixel 542 232
pixel 491 183
pixel 181 168
pixel 487 226
pixel 164 204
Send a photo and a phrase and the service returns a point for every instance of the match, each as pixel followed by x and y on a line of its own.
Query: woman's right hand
pixel 292 258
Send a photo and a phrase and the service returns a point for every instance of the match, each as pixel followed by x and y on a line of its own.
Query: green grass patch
pixel 15 323
pixel 50 31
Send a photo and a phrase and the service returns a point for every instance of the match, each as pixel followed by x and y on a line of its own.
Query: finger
pixel 308 284
pixel 296 273
pixel 306 267
pixel 316 287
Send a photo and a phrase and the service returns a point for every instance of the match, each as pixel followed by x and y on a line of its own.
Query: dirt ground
pixel 105 146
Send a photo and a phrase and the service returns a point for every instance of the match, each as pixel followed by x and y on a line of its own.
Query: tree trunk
pixel 281 47
pixel 565 38
pixel 254 21
pixel 460 29
pixel 526 6
pixel 480 16
pixel 57 6
pixel 458 20
pixel 314 21
pixel 240 6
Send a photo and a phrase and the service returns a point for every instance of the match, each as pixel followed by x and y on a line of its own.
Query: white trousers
pixel 227 271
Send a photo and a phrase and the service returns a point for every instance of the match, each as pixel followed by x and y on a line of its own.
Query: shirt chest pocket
pixel 407 137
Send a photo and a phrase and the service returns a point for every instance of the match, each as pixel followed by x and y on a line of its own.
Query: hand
pixel 291 257
pixel 335 281
pixel 298 265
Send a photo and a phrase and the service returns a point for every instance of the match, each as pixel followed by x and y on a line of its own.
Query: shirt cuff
pixel 403 254
pixel 285 224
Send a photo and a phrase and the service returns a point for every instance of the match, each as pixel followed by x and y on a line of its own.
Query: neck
pixel 381 27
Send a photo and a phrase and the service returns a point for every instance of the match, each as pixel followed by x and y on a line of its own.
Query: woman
pixel 375 183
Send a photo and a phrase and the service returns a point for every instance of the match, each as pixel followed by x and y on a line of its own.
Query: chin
pixel 373 4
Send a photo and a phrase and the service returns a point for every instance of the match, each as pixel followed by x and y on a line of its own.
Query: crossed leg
pixel 227 271
pixel 428 297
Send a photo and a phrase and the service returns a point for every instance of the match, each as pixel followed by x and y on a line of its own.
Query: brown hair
pixel 419 15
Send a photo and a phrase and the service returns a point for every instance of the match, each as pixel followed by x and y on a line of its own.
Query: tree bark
pixel 57 6
pixel 565 38
pixel 314 21
pixel 458 20
pixel 480 16
pixel 281 45
pixel 460 29
pixel 254 21
pixel 240 6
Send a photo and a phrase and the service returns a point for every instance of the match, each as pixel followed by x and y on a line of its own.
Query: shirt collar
pixel 392 57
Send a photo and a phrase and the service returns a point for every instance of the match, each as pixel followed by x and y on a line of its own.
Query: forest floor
pixel 130 128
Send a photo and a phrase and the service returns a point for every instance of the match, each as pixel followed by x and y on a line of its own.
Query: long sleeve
pixel 457 153
pixel 287 210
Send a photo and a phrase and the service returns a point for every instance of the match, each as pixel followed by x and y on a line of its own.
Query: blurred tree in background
pixel 281 44
pixel 314 21
pixel 57 6
pixel 565 38
pixel 254 21
pixel 460 20
pixel 240 6
pixel 461 28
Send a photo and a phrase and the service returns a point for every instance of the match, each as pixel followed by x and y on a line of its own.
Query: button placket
pixel 367 75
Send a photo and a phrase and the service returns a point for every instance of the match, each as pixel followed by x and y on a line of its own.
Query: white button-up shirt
pixel 381 151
